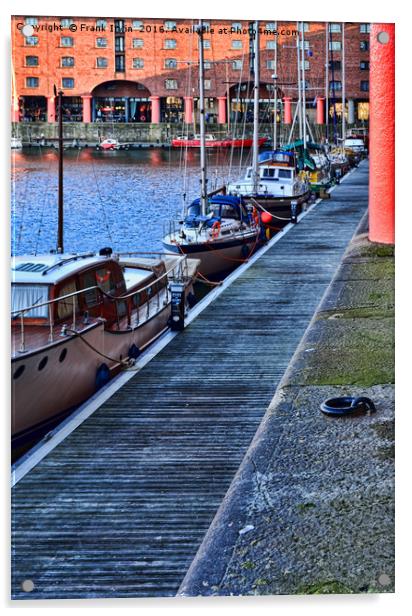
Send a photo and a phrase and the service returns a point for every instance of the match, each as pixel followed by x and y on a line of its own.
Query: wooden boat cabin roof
pixel 52 268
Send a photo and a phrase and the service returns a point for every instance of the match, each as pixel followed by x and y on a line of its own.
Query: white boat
pixel 278 182
pixel 16 143
pixel 108 144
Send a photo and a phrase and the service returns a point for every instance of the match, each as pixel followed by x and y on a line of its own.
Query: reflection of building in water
pixel 130 70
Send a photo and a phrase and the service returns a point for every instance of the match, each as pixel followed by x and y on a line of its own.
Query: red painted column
pixel 221 118
pixel 155 100
pixel 320 112
pixel 87 108
pixel 382 134
pixel 51 109
pixel 287 110
pixel 15 116
pixel 188 109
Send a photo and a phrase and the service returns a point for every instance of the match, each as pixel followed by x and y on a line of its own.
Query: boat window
pixel 249 173
pixel 91 298
pixel 230 212
pixel 65 306
pixel 105 279
pixel 26 295
pixel 268 172
pixel 194 209
pixel 284 173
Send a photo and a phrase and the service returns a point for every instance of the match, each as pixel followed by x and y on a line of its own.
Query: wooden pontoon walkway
pixel 120 507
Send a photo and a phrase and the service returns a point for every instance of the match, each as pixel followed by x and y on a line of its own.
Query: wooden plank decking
pixel 120 507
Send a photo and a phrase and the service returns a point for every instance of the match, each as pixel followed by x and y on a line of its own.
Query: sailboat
pixel 272 182
pixel 220 230
pixel 78 319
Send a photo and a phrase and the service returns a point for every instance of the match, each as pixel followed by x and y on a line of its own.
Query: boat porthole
pixel 43 363
pixel 19 372
pixel 62 355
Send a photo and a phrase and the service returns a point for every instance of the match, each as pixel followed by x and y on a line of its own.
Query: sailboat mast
pixel 60 247
pixel 203 170
pixel 343 87
pixel 303 85
pixel 255 170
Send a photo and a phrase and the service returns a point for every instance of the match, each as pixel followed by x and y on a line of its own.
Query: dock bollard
pixel 177 319
pixel 294 212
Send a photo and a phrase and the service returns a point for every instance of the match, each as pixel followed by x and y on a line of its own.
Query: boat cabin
pixel 220 207
pixel 38 280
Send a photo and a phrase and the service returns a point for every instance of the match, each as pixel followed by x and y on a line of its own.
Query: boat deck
pixel 120 507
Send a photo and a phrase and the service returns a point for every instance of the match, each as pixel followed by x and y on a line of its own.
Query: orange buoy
pixel 266 218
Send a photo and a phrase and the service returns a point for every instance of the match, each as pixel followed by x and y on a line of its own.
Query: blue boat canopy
pixel 277 156
pixel 194 216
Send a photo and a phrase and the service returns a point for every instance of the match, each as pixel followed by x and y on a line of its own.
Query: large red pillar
pixel 51 109
pixel 87 108
pixel 320 113
pixel 188 109
pixel 15 115
pixel 155 100
pixel 287 110
pixel 221 118
pixel 382 134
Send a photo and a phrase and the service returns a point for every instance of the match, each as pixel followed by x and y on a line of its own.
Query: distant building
pixel 145 70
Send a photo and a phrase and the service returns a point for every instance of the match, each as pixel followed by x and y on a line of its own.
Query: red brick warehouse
pixel 145 70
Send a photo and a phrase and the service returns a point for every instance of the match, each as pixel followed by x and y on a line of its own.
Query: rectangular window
pixel 119 64
pixel 307 65
pixel 170 44
pixel 237 65
pixel 171 84
pixel 32 82
pixel 364 86
pixel 364 65
pixel 138 63
pixel 236 44
pixel 335 27
pixel 306 26
pixel 207 65
pixel 306 45
pixel 137 43
pixel 208 84
pixel 270 44
pixel 31 21
pixel 119 43
pixel 236 26
pixel 25 295
pixel 66 41
pixel 101 23
pixel 270 26
pixel 170 63
pixel 364 28
pixel 206 44
pixel 101 63
pixel 170 25
pixel 67 61
pixel 67 82
pixel 335 45
pixel 270 64
pixel 32 61
pixel 66 23
pixel 31 41
pixel 101 42
pixel 335 85
pixel 137 24
pixel 364 45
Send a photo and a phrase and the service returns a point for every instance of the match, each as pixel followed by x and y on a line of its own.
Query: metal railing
pixel 178 271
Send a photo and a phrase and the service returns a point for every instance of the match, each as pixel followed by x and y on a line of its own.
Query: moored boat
pixel 213 142
pixel 77 319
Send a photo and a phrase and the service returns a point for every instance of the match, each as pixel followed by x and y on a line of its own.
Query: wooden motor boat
pixel 79 319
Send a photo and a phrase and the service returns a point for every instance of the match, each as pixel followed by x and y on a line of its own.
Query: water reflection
pixel 120 199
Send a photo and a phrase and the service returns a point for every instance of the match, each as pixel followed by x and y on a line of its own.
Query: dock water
pixel 120 507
